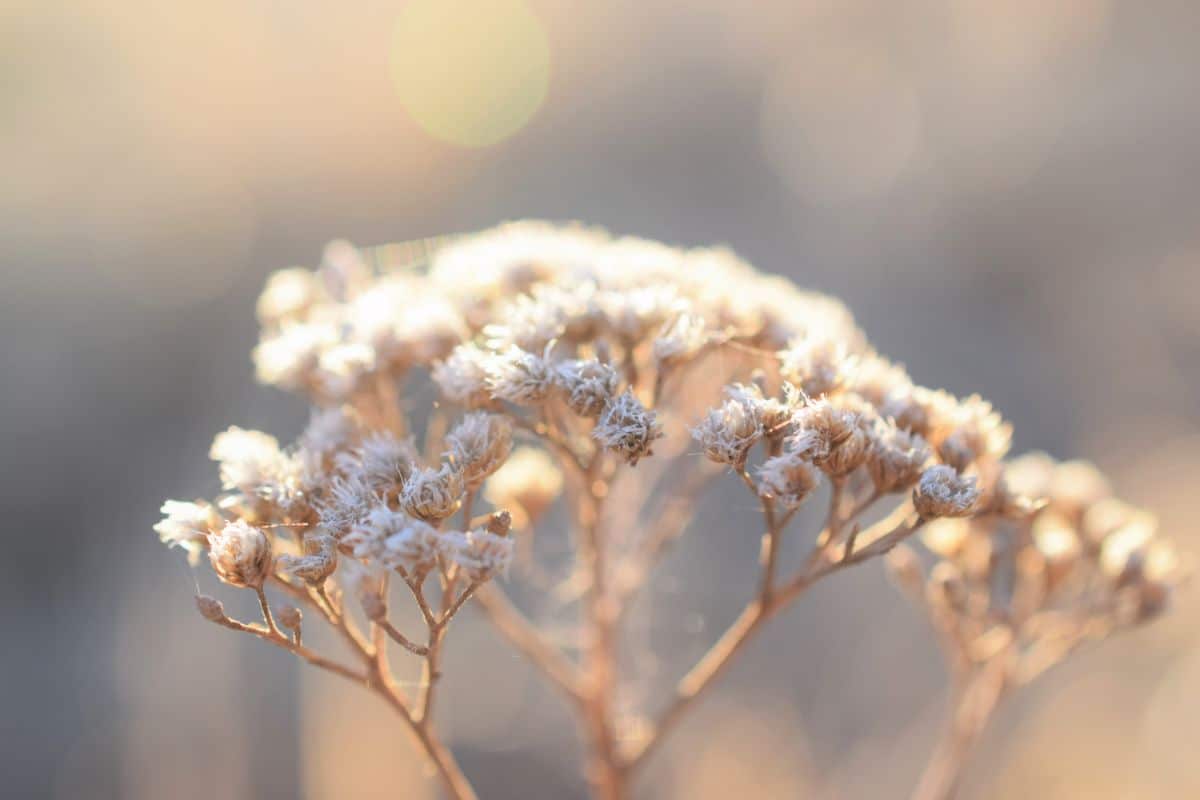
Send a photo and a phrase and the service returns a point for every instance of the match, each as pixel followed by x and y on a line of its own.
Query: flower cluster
pixel 1026 588
pixel 558 367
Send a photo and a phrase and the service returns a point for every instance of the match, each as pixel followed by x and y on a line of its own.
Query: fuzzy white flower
pixel 186 524
pixel 680 339
pixel 249 460
pixel 288 357
pixel 289 294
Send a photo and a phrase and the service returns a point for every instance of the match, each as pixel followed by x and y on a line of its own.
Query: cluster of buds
pixel 1023 587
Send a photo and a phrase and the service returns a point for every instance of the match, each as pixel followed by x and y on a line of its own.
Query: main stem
pixel 605 771
pixel 972 706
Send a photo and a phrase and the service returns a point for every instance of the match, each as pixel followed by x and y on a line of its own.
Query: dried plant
pixel 615 361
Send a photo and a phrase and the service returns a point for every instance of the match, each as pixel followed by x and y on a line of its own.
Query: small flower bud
pixel 210 608
pixel 288 616
pixel 240 555
pixel 942 492
pixel 373 606
pixel 847 454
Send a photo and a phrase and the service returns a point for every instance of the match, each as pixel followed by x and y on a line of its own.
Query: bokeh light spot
pixel 473 73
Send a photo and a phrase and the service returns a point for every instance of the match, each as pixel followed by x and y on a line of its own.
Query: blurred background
pixel 1004 191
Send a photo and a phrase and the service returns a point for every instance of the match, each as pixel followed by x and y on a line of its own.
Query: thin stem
pixel 758 611
pixel 266 609
pixel 279 640
pixel 400 639
pixel 973 703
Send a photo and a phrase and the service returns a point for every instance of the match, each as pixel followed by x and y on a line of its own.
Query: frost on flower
pixel 480 553
pixel 727 433
pixel 249 459
pixel 479 444
pixel 433 493
pixel 519 376
pixel 240 555
pixel 187 524
pixel 942 492
pixel 498 375
pixel 627 428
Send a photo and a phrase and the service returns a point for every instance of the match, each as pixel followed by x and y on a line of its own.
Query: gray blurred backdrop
pixel 1004 191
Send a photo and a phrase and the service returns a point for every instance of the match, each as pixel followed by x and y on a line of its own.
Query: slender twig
pixel 973 702
pixel 758 611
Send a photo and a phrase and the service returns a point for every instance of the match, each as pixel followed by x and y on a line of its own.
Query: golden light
pixel 470 74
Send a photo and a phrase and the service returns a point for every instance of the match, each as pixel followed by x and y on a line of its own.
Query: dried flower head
pixel 479 444
pixel 479 553
pixel 240 555
pixel 896 459
pixel 942 492
pixel 787 478
pixel 728 432
pixel 433 494
pixel 250 460
pixel 187 524
pixel 463 376
pixel 589 385
pixel 628 428
pixel 318 562
pixel 518 376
